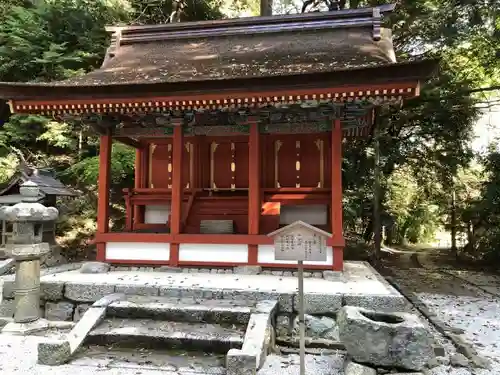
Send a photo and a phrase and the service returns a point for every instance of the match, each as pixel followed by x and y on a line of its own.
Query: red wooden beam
pixel 293 190
pixel 222 239
pixel 176 204
pixel 103 191
pixel 254 197
pixel 134 237
pixel 22 106
pixel 336 202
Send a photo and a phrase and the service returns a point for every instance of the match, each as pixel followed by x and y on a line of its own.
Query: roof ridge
pixel 369 16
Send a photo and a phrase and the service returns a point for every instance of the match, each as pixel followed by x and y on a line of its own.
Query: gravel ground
pixel 18 356
pixel 461 305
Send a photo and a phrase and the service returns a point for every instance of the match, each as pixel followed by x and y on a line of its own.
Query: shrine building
pixel 238 127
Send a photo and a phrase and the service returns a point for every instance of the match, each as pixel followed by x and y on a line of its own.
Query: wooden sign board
pixel 300 242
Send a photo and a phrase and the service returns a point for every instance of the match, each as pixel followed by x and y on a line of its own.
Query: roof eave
pixel 398 72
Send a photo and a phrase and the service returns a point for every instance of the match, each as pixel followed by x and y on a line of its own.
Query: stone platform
pixel 359 285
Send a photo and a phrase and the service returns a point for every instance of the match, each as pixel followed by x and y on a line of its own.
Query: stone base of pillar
pixel 24 329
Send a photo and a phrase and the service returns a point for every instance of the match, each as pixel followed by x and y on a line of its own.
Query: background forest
pixel 431 178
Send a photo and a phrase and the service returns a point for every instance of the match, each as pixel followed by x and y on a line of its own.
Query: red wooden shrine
pixel 238 127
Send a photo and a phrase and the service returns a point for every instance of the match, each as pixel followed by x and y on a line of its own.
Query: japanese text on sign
pixel 300 246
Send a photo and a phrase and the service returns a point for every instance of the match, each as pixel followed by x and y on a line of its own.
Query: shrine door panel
pixel 161 162
pixel 228 164
pixel 285 162
pixel 300 160
pixel 312 162
pixel 241 164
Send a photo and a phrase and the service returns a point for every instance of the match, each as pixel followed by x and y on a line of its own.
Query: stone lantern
pixel 27 249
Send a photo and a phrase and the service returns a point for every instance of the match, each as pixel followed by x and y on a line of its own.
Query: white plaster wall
pixel 316 214
pixel 157 214
pixel 137 251
pixel 266 255
pixel 213 253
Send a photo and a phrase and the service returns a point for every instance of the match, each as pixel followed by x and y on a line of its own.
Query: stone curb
pixel 257 342
pixel 459 342
pixel 58 352
pixel 383 280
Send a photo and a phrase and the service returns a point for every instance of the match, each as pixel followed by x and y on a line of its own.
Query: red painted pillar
pixel 336 203
pixel 177 188
pixel 103 192
pixel 254 201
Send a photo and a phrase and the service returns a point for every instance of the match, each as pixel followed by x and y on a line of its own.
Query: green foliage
pixel 416 217
pixel 58 134
pixel 122 167
pixel 8 166
pixel 426 144
pixel 54 40
pixel 160 11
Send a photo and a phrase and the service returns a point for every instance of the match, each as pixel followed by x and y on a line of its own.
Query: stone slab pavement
pixel 359 285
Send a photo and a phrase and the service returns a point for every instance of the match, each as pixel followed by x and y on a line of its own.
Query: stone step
pixel 168 362
pixel 131 333
pixel 190 310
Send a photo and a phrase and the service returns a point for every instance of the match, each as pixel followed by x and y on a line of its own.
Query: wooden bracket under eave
pixel 11 106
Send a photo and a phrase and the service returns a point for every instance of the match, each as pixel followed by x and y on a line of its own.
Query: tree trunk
pixel 389 235
pixel 266 7
pixel 377 235
pixel 453 229
pixel 368 232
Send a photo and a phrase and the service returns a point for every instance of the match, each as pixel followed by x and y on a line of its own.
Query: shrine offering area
pixel 198 321
pixel 232 321
pixel 358 285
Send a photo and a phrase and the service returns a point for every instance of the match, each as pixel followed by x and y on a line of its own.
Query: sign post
pixel 300 242
pixel 302 323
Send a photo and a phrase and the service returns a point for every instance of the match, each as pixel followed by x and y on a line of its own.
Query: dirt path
pixel 466 301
